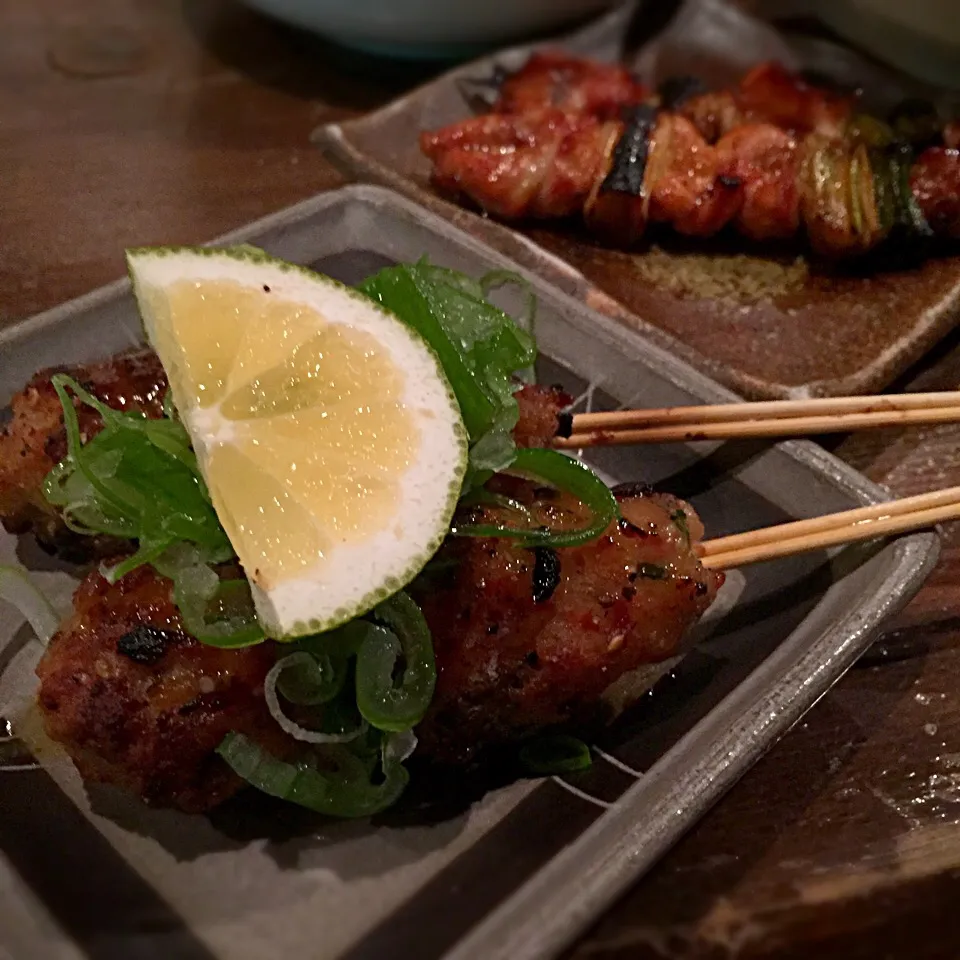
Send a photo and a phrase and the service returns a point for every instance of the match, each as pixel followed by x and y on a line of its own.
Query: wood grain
pixel 206 129
pixel 193 117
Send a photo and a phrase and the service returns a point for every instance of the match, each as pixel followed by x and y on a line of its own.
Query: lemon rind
pixel 275 622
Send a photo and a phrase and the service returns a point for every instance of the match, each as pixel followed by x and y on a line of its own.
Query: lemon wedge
pixel 326 431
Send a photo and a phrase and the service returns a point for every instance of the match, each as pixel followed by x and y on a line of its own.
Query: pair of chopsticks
pixel 771 418
pixel 834 529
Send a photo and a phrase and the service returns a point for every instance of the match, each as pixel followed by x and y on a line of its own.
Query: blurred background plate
pixel 767 323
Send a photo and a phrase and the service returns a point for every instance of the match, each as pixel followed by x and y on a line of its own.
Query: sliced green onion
pixel 565 474
pixel 403 643
pixel 16 588
pixel 345 789
pixel 828 211
pixel 912 216
pixel 147 552
pixel 217 628
pixel 400 746
pixel 300 659
pixel 857 217
pixel 873 230
pixel 341 643
pixel 885 191
pixel 482 496
pixel 555 754
pixel 137 478
pixel 112 498
pixel 219 613
pixel 312 681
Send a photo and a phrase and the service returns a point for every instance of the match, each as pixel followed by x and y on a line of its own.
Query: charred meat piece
pixel 34 441
pixel 525 642
pixel 539 164
pixel 935 184
pixel 525 639
pixel 554 79
pixel 687 185
pixel 770 157
pixel 138 703
pixel 540 409
pixel 763 160
pixel 713 113
pixel 677 179
pixel 770 94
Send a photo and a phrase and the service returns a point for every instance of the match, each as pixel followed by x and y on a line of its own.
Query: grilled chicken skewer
pixel 34 441
pixel 524 639
pixel 656 167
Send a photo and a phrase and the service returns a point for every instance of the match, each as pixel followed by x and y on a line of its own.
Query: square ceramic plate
pixel 764 325
pixel 478 871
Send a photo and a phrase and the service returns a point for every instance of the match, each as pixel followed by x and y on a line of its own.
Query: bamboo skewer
pixel 848 526
pixel 767 408
pixel 781 418
pixel 777 418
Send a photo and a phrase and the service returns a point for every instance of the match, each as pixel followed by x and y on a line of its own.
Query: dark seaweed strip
pixel 631 153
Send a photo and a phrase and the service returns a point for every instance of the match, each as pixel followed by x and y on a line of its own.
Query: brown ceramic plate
pixel 766 324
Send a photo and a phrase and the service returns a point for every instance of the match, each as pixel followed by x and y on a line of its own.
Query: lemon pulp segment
pixel 278 372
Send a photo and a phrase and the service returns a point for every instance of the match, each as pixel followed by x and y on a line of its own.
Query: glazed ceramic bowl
pixel 429 28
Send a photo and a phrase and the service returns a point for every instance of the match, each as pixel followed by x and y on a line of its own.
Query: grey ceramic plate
pixel 766 324
pixel 478 871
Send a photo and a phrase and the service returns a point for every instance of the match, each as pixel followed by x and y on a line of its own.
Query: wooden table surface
pixel 174 120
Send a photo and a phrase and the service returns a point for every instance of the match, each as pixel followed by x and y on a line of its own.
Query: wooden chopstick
pixel 776 418
pixel 835 529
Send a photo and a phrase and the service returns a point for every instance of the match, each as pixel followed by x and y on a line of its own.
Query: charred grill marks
pixel 546 573
pixel 145 644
